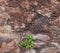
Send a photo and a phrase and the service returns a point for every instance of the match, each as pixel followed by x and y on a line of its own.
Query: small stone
pixel 38 44
pixel 56 44
pixel 7 27
pixel 42 37
pixel 2 8
pixel 39 11
pixel 23 25
pixel 49 50
pixel 30 51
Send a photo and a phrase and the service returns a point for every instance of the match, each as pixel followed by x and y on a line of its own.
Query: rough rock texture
pixel 19 18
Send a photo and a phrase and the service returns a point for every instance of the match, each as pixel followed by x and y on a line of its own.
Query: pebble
pixel 30 51
pixel 42 37
pixel 49 50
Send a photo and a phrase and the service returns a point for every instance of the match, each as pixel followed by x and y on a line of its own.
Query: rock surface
pixel 19 18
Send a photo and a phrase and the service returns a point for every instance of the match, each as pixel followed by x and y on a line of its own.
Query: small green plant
pixel 29 43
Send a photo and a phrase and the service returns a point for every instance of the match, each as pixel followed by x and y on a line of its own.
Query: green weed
pixel 29 43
